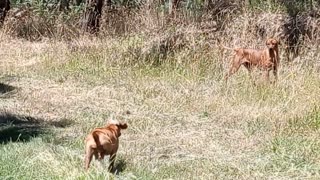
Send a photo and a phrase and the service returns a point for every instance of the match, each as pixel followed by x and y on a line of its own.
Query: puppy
pixel 265 59
pixel 104 141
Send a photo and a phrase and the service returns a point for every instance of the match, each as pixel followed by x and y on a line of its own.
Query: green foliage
pixel 309 122
pixel 292 7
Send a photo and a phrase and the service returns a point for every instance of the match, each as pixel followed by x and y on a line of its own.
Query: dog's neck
pixel 273 54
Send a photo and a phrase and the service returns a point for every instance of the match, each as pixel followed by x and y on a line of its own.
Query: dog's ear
pixel 123 125
pixel 275 41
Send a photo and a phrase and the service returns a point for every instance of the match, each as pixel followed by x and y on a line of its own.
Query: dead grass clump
pixel 36 24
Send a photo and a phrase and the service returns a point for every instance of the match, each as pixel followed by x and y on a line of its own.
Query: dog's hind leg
pixel 236 63
pixel 266 75
pixel 100 157
pixel 88 157
pixel 249 68
pixel 275 73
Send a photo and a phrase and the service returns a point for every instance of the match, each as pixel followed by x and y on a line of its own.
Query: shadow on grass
pixel 4 88
pixel 120 166
pixel 23 128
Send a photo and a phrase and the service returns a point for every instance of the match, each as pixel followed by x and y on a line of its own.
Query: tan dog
pixel 104 141
pixel 265 59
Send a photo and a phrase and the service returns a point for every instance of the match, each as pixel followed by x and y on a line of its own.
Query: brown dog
pixel 104 141
pixel 265 59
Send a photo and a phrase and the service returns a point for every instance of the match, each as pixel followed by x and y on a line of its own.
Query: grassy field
pixel 184 121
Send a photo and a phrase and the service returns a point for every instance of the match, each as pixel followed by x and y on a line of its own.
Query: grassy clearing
pixel 184 122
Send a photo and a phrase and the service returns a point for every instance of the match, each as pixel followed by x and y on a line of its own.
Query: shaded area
pixel 4 88
pixel 92 15
pixel 23 128
pixel 295 27
pixel 4 8
pixel 293 30
pixel 120 166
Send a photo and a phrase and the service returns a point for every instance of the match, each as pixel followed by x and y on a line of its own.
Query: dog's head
pixel 119 125
pixel 272 43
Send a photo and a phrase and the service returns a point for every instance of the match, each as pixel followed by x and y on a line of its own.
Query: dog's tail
pixel 224 47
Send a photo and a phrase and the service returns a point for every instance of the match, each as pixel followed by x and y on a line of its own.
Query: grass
pixel 184 121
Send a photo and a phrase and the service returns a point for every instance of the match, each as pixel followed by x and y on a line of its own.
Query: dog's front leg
pixel 88 157
pixel 266 75
pixel 275 73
